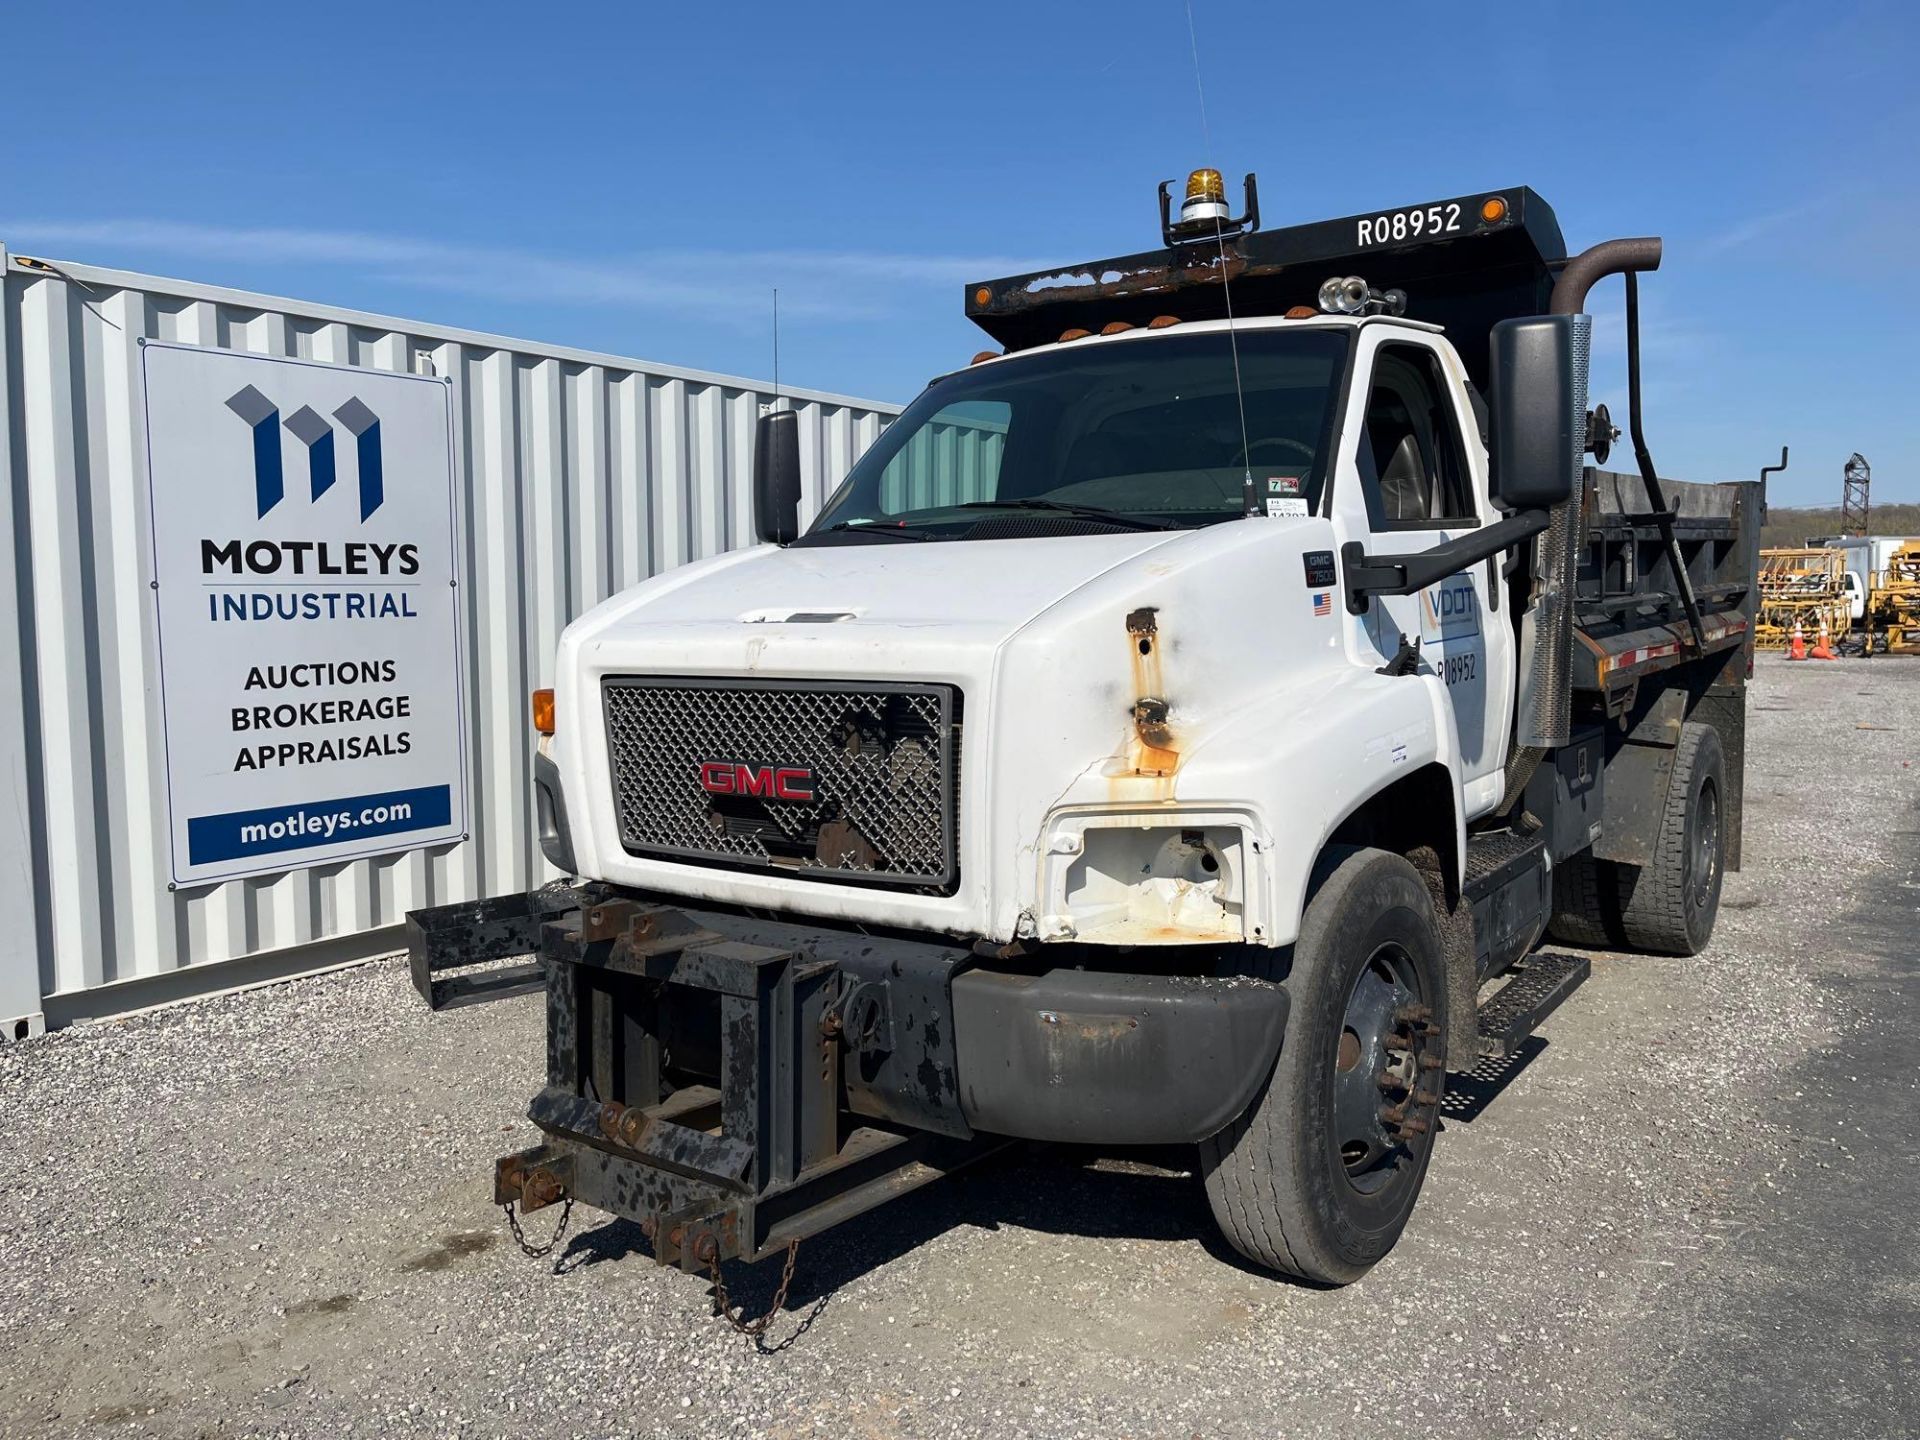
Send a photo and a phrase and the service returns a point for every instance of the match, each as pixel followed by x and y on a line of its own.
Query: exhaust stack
pixel 1544 711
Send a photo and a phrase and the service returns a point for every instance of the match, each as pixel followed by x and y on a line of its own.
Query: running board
pixel 1515 1010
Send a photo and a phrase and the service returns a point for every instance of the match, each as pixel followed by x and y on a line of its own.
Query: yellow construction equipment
pixel 1803 587
pixel 1895 608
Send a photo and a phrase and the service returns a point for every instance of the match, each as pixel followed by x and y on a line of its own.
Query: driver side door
pixel 1411 479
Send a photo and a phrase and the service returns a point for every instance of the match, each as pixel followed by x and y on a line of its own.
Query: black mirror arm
pixel 1370 575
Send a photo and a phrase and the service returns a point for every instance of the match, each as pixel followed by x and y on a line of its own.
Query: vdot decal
pixel 307 426
pixel 1450 609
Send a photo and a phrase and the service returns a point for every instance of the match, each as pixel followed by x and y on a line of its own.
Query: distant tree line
pixel 1787 528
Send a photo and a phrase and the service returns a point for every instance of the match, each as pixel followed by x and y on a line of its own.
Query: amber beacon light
pixel 543 711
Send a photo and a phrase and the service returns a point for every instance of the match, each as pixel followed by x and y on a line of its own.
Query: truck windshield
pixel 1137 433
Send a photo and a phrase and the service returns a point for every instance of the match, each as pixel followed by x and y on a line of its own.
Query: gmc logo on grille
pixel 722 777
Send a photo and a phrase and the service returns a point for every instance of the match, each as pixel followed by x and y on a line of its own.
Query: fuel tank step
pixel 1515 1010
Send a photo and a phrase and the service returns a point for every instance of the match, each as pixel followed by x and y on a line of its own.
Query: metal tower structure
pixel 1853 495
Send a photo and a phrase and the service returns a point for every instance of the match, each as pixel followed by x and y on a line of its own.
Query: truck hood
pixel 1155 679
pixel 737 608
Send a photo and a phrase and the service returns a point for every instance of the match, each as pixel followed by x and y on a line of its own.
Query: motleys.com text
pixel 305 822
pixel 312 824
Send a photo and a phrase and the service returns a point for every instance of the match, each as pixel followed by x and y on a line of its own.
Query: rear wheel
pixel 1586 904
pixel 1668 905
pixel 1317 1179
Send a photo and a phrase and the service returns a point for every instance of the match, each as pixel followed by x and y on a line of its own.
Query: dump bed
pixel 1629 615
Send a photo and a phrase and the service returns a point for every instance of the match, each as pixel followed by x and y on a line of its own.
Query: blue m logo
pixel 312 430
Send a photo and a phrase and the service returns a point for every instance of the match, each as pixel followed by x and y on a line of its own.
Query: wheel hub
pixel 1704 860
pixel 1387 1072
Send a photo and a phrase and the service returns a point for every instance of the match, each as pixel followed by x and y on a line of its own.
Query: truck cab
pixel 1050 553
pixel 1163 734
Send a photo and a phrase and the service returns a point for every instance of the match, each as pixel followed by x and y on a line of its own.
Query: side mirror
pixel 776 477
pixel 1539 431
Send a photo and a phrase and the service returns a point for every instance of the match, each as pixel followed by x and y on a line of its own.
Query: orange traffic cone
pixel 1797 643
pixel 1822 649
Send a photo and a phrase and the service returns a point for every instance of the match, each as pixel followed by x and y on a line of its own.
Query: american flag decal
pixel 1323 602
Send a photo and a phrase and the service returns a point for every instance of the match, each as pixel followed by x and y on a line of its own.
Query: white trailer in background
pixel 1867 559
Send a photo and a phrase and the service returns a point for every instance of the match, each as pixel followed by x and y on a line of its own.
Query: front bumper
pixel 732 1083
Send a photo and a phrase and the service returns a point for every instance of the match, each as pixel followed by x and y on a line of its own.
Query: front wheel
pixel 1318 1177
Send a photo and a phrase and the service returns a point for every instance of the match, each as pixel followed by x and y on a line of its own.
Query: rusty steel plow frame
pixel 693 1083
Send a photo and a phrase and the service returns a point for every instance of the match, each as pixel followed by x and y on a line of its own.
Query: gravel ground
pixel 1687 1211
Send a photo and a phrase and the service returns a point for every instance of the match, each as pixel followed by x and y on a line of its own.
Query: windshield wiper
pixel 892 532
pixel 1084 512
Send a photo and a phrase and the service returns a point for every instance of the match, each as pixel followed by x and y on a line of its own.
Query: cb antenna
pixel 776 347
pixel 1226 283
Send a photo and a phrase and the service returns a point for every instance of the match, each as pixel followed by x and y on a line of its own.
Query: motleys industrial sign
pixel 305 589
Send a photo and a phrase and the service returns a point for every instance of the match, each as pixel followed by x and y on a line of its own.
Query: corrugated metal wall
pixel 947 462
pixel 580 475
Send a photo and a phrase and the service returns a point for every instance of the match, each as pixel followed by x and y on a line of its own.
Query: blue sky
pixel 636 178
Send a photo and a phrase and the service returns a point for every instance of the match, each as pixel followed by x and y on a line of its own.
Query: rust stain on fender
pixel 1153 749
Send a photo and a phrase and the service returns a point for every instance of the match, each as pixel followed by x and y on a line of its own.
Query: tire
pixel 1317 1178
pixel 1586 904
pixel 1669 906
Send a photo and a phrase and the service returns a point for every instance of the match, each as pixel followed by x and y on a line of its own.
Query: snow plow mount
pixel 694 1087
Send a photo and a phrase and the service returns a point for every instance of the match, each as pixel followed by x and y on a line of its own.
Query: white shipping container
pixel 576 475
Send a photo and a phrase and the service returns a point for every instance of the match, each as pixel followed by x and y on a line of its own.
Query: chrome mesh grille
pixel 880 764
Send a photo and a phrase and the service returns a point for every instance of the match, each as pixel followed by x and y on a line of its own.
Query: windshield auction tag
pixel 1283 496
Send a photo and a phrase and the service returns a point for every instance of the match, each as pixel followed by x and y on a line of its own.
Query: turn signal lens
pixel 1206 185
pixel 1493 209
pixel 982 295
pixel 543 711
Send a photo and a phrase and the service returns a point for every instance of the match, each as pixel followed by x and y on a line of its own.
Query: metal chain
pixel 758 1327
pixel 539 1252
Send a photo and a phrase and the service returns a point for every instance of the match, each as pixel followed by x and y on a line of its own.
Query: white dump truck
pixel 1181 727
